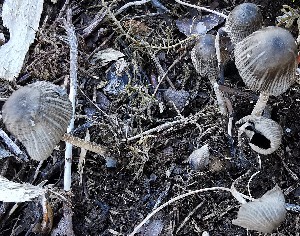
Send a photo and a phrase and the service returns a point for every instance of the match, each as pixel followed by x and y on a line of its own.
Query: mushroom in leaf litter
pixel 264 214
pixel 267 62
pixel 264 134
pixel 38 115
pixel 205 61
pixel 199 158
pixel 242 21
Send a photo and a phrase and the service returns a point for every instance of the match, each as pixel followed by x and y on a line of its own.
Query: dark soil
pixel 151 169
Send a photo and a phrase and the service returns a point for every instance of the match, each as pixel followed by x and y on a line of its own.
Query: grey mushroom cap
pixel 242 21
pixel 264 214
pixel 267 60
pixel 264 134
pixel 38 115
pixel 204 56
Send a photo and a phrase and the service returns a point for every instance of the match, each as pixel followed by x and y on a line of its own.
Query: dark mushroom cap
pixel 204 56
pixel 267 60
pixel 38 115
pixel 242 21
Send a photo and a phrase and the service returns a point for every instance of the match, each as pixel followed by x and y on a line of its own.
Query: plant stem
pixel 260 104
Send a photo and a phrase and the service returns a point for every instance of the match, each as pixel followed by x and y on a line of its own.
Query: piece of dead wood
pixel 22 18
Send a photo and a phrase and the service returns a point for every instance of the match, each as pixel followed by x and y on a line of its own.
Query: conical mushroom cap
pixel 242 21
pixel 267 60
pixel 38 115
pixel 204 56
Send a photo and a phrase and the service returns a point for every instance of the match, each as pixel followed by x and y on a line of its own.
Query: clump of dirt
pixel 151 110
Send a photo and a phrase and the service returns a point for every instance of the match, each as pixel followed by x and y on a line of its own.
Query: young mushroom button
pixel 205 61
pixel 38 115
pixel 242 21
pixel 267 62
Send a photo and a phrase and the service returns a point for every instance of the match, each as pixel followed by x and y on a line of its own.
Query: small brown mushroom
pixel 205 61
pixel 267 62
pixel 38 115
pixel 242 21
pixel 264 134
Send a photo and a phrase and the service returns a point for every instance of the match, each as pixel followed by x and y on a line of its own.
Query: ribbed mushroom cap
pixel 264 214
pixel 242 21
pixel 204 56
pixel 265 134
pixel 38 115
pixel 267 60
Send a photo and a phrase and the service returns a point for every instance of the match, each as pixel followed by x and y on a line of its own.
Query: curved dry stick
pixel 90 146
pixel 201 8
pixel 137 228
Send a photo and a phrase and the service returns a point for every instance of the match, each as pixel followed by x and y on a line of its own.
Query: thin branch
pixel 135 3
pixel 161 71
pixel 98 18
pixel 168 70
pixel 90 146
pixel 137 228
pixel 13 147
pixel 201 8
pixel 72 96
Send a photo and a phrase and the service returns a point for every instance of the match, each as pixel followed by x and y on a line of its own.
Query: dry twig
pixel 12 146
pixel 201 8
pixel 129 4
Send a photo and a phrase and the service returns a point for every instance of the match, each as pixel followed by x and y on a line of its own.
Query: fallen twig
pixel 12 146
pixel 166 125
pixel 98 18
pixel 137 228
pixel 201 8
pixel 168 70
pixel 161 71
pixel 129 4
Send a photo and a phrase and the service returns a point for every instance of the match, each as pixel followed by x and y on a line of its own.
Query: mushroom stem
pixel 220 98
pixel 260 104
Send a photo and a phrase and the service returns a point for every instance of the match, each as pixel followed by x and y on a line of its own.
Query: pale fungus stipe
pixel 264 214
pixel 38 115
pixel 242 21
pixel 264 134
pixel 267 62
pixel 205 61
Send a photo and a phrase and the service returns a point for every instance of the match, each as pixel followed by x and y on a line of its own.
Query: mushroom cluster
pixel 266 59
